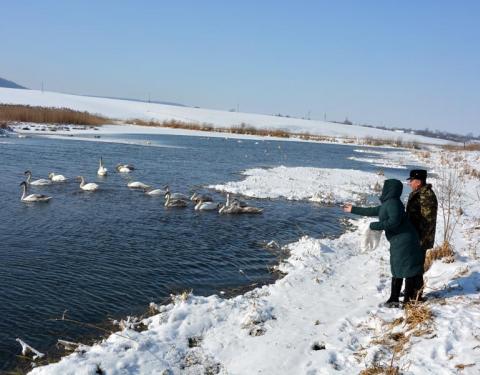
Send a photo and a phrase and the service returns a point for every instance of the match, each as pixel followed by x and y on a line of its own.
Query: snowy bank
pixel 321 185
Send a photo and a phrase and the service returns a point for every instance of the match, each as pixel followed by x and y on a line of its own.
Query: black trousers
pixel 413 288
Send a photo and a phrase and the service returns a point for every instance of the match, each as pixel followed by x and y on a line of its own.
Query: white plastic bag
pixel 369 239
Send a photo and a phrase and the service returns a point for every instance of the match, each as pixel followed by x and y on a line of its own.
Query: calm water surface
pixel 110 253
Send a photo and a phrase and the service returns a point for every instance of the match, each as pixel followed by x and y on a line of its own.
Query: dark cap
pixel 418 174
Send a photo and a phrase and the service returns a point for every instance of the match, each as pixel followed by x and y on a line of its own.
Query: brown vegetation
pixel 464 147
pixel 370 141
pixel 418 318
pixel 239 129
pixel 44 115
pixel 377 369
pixel 244 128
pixel 444 251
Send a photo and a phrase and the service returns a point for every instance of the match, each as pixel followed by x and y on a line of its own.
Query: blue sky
pixel 409 64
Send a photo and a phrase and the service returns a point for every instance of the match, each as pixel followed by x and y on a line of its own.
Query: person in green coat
pixel 406 257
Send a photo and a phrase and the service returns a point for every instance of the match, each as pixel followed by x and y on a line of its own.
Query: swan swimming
pixel 39 182
pixel 171 202
pixel 32 197
pixel 137 185
pixel 91 186
pixel 152 192
pixel 206 206
pixel 124 168
pixel 175 195
pixel 56 177
pixel 200 197
pixel 102 171
pixel 230 201
pixel 235 208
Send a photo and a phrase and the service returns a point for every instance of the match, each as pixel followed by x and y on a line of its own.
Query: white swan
pixel 102 171
pixel 137 185
pixel 39 182
pixel 32 197
pixel 57 177
pixel 124 168
pixel 235 208
pixel 206 206
pixel 171 202
pixel 91 186
pixel 152 192
pixel 180 196
pixel 230 201
pixel 200 197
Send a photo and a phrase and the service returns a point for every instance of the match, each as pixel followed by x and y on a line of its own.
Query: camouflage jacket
pixel 422 211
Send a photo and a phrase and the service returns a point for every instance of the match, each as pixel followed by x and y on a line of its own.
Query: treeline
pixel 49 115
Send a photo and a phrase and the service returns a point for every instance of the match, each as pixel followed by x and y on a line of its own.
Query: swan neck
pixel 24 194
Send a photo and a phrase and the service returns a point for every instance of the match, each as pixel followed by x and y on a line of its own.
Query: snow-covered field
pixel 127 110
pixel 323 316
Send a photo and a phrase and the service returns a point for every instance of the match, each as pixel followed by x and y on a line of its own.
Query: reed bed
pixel 49 115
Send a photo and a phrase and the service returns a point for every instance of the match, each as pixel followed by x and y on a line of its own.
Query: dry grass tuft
pixel 461 366
pixel 444 251
pixel 44 115
pixel 424 154
pixel 377 369
pixel 418 318
pixel 396 322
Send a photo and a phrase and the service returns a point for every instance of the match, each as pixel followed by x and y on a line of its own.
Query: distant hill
pixel 10 84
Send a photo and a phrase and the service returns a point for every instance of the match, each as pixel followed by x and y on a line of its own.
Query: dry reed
pixel 44 115
pixel 444 251
pixel 377 369
pixel 464 147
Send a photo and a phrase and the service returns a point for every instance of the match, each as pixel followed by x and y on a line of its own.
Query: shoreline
pixel 118 130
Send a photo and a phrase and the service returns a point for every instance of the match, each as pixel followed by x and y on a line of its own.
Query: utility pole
pixel 325 116
pixel 42 87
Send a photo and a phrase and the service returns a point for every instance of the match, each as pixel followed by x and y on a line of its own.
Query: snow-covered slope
pixel 124 110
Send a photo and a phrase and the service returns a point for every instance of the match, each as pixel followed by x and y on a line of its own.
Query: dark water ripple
pixel 111 252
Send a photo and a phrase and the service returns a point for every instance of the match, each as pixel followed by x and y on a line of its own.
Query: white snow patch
pixel 322 185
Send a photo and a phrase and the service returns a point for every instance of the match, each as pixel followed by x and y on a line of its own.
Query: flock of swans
pixel 201 202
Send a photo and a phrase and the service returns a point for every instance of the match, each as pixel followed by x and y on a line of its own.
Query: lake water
pixel 110 253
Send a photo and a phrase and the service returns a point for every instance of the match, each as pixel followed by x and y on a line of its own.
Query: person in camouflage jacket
pixel 422 209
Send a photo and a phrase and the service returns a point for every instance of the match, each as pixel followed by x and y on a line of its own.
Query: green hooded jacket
pixel 406 257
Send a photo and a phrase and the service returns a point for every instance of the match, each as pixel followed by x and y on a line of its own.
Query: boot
pixel 394 293
pixel 413 288
pixel 419 285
